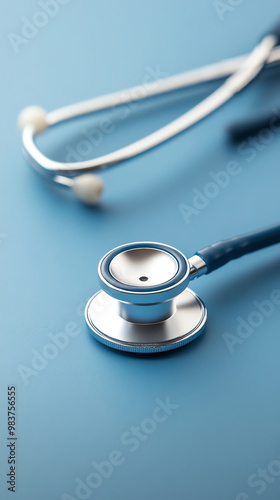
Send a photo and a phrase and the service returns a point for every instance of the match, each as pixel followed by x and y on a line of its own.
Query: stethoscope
pixel 239 72
pixel 145 304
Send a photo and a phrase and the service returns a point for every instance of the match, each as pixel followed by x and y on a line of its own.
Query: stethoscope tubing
pixel 219 254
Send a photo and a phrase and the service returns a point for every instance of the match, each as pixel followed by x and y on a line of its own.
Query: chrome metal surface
pixel 243 69
pixel 144 277
pixel 107 326
pixel 167 286
pixel 197 267
pixel 143 267
pixel 146 313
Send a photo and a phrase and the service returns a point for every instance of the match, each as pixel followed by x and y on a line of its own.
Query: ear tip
pixel 88 188
pixel 35 116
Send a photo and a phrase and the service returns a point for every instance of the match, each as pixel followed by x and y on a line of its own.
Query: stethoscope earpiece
pixel 88 188
pixel 33 116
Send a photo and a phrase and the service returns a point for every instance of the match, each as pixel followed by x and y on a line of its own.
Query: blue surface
pixel 81 404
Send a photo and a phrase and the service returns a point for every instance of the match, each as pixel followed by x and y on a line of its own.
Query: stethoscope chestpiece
pixel 144 305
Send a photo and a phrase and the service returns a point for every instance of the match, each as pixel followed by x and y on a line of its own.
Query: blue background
pixel 75 411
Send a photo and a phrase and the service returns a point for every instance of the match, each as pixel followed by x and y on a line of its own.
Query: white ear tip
pixel 34 115
pixel 88 188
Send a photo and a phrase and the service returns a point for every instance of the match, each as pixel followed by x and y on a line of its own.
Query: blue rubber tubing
pixel 221 253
